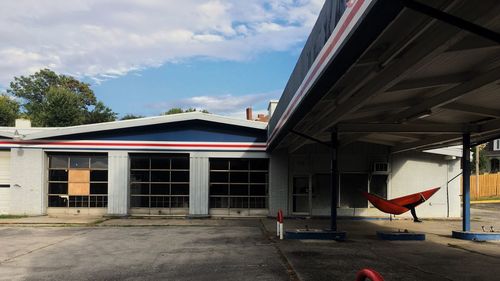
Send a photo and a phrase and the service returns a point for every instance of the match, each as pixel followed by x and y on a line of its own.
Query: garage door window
pixel 78 180
pixel 159 181
pixel 238 183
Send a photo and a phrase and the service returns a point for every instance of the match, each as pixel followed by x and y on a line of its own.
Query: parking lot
pixel 238 249
pixel 236 252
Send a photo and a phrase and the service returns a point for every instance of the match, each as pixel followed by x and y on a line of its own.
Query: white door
pixel 4 181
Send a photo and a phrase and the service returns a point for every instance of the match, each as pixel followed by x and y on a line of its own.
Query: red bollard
pixel 370 274
pixel 280 224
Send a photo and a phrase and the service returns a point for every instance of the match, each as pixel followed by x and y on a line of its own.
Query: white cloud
pixel 228 105
pixel 102 39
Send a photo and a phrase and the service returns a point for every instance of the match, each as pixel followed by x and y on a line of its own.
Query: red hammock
pixel 400 205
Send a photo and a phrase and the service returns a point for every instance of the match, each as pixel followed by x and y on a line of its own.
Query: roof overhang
pixel 401 78
pixel 148 121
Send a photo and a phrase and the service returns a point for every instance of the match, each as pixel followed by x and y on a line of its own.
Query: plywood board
pixel 79 176
pixel 78 188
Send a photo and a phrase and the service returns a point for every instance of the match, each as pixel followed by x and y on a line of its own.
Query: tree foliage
pixel 130 116
pixel 60 108
pixel 177 110
pixel 42 92
pixel 483 160
pixel 9 110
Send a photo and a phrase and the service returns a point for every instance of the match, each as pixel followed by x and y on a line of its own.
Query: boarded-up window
pixel 78 180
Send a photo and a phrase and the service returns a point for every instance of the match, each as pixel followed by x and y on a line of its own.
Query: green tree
pixel 177 110
pixel 129 116
pixel 9 110
pixel 60 107
pixel 483 160
pixel 33 91
pixel 100 113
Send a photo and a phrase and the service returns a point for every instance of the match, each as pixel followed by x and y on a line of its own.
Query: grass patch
pixel 11 216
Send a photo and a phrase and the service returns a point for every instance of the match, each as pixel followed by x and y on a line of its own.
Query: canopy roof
pixel 392 73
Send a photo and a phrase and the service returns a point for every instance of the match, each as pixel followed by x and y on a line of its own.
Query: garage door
pixel 159 184
pixel 238 187
pixel 4 181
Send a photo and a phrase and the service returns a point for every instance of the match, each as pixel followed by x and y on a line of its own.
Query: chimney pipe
pixel 249 113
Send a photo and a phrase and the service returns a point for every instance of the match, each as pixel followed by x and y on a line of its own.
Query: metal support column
pixel 334 180
pixel 466 182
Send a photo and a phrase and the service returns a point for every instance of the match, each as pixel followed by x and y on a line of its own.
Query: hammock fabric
pixel 400 205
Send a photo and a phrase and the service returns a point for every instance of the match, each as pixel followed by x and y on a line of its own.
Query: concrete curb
pixel 485 201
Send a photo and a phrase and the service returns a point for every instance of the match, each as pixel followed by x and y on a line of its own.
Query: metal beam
pixel 466 182
pixel 490 126
pixel 425 143
pixel 450 95
pixel 334 180
pixel 452 20
pixel 406 128
pixel 472 42
pixel 310 138
pixel 475 110
pixel 430 82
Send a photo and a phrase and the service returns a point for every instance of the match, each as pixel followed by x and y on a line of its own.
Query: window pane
pixel 99 162
pixel 98 188
pixel 180 189
pixel 179 202
pixel 160 176
pixel 160 202
pixel 160 162
pixel 239 164
pixel 57 201
pixel 351 186
pixel 58 175
pixel 257 177
pixel 58 188
pixel 139 188
pixel 139 176
pixel 78 162
pixel 219 202
pixel 259 164
pixel 238 189
pixel 160 189
pixel 219 189
pixel 219 176
pixel 139 162
pixel 180 176
pixel 78 201
pixel 219 164
pixel 58 162
pixel 238 202
pixel 259 189
pixel 239 177
pixel 139 201
pixel 98 175
pixel 180 163
pixel 98 201
pixel 258 202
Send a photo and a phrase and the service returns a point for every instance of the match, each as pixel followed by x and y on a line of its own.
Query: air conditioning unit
pixel 381 168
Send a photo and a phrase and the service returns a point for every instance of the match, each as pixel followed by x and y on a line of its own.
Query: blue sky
pixel 249 83
pixel 145 56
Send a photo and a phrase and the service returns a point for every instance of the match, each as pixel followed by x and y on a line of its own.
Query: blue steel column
pixel 466 182
pixel 334 180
